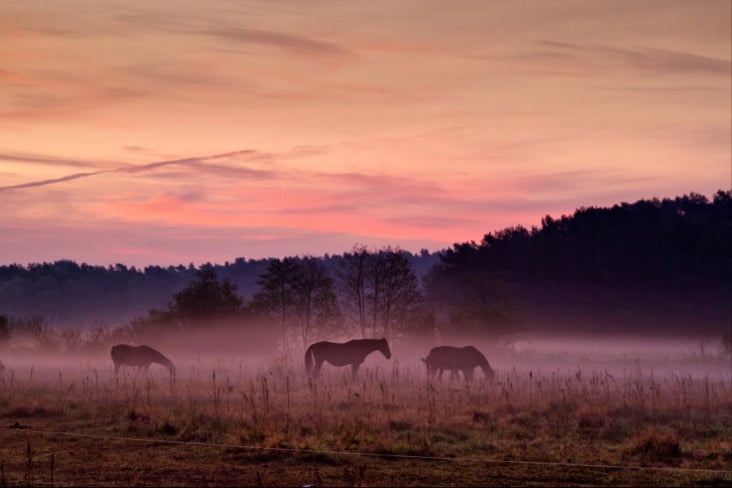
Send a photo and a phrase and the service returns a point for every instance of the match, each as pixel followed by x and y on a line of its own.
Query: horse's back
pixel 475 354
pixel 342 353
pixel 119 352
pixel 443 353
pixel 335 353
pixel 147 351
pixel 135 355
pixel 450 357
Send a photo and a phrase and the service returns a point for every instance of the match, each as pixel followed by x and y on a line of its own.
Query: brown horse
pixel 353 352
pixel 140 357
pixel 456 359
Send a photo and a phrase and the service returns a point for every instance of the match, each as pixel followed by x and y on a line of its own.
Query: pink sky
pixel 178 131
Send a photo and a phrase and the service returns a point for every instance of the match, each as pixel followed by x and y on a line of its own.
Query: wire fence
pixel 296 451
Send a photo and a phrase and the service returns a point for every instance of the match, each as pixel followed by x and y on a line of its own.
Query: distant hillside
pixel 67 293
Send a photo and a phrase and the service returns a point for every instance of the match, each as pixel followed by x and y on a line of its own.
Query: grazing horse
pixel 141 357
pixel 353 352
pixel 456 359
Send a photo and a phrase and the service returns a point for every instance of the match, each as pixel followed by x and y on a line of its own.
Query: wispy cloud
pixel 294 43
pixel 650 60
pixel 557 57
pixel 218 29
pixel 15 78
pixel 47 160
pixel 53 102
pixel 200 162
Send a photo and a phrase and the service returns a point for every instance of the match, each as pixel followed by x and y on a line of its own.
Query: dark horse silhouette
pixel 340 354
pixel 140 357
pixel 456 359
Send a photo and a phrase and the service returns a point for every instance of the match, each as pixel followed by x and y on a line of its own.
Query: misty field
pixel 552 416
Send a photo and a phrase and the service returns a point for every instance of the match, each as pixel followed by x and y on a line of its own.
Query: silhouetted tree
pixel 379 288
pixel 205 299
pixel 277 296
pixel 298 295
pixel 315 301
pixel 352 275
pixel 396 293
pixel 466 297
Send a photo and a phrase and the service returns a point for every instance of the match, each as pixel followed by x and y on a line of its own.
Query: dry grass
pixel 581 415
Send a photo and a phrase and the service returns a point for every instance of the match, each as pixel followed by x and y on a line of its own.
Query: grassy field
pixel 225 421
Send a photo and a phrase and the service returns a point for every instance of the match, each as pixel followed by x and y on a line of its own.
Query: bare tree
pixel 399 296
pixel 379 288
pixel 315 298
pixel 276 297
pixel 352 276
pixel 298 294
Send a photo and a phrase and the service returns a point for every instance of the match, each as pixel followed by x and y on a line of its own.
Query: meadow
pixel 552 416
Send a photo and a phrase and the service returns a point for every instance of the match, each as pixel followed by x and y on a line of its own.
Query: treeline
pixel 687 239
pixel 67 293
pixel 654 265
pixel 297 300
pixel 658 264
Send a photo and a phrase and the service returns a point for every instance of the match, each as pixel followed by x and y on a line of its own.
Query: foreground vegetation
pixel 228 422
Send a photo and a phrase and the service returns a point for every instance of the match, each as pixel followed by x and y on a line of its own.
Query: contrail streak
pixel 128 169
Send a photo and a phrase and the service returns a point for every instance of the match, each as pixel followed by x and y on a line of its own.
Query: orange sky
pixel 190 131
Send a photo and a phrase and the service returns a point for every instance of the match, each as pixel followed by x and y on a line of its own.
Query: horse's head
pixel 489 373
pixel 384 348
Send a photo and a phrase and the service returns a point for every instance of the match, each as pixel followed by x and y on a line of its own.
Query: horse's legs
pixel 354 371
pixel 116 368
pixel 468 373
pixel 454 375
pixel 316 369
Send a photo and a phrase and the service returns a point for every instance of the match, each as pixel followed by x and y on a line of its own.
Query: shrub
pixel 652 448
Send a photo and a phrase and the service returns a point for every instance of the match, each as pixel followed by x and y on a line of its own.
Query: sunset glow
pixel 190 131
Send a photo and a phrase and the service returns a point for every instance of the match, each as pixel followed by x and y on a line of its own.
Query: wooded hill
pixel 651 266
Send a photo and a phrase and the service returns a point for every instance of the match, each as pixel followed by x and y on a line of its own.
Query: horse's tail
pixel 309 360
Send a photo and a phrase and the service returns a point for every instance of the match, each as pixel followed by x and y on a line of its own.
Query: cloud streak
pixel 557 57
pixel 293 43
pixel 47 160
pixel 218 30
pixel 201 162
pixel 649 60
